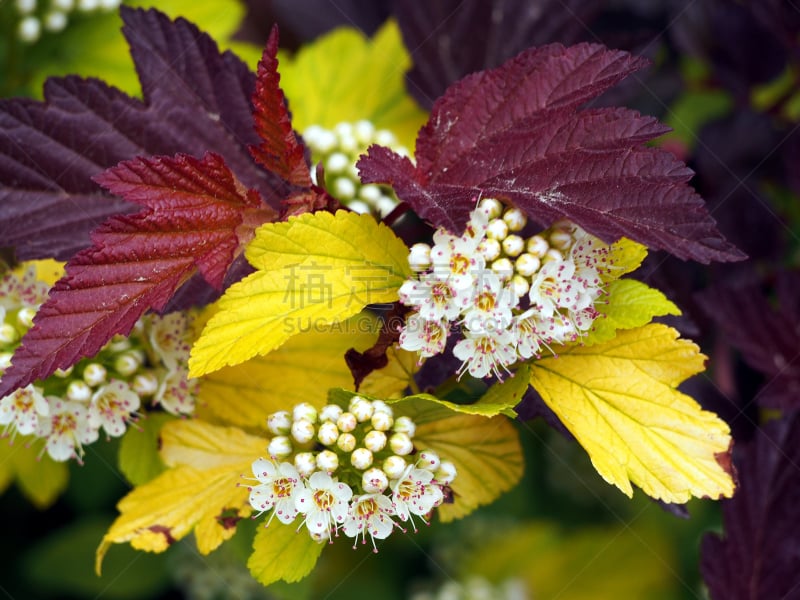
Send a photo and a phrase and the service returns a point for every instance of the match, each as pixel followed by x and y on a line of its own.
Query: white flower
pixel 24 291
pixel 426 337
pixel 486 352
pixel 457 259
pixel 21 409
pixel 324 503
pixel 414 493
pixel 112 406
pixel 167 336
pixel 176 393
pixel 369 514
pixel 491 305
pixel 66 428
pixel 557 287
pixel 279 486
pixel 434 298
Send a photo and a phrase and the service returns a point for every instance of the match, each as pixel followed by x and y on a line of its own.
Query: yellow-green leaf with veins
pixel 627 304
pixel 625 256
pixel 40 479
pixel 619 400
pixel 316 268
pixel 200 492
pixel 485 451
pixel 345 76
pixel 302 370
pixel 392 380
pixel 281 552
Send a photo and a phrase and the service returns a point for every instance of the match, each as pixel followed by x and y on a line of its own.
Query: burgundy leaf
pixel 362 364
pixel 767 335
pixel 280 152
pixel 197 216
pixel 196 99
pixel 449 39
pixel 759 555
pixel 515 132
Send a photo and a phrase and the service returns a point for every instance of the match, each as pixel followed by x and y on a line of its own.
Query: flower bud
pixel 498 230
pixel 305 463
pixel 428 460
pixel 346 442
pixel 279 423
pixel 513 245
pixel 328 433
pixel 503 268
pixel 400 443
pixel 330 412
pixel 145 384
pixel 379 406
pixel 362 409
pixel 127 364
pixel 537 246
pixel 29 29
pixel 361 458
pixel 419 258
pixel 552 255
pixel 446 473
pixel 94 374
pixel 303 431
pixel 519 285
pixel 490 249
pixel 492 207
pixel 405 425
pixel 279 447
pixel 78 391
pixel 515 219
pixel 382 421
pixel 527 264
pixel 560 240
pixel 306 411
pixel 336 163
pixel 5 360
pixel 394 466
pixel 327 461
pixel 374 481
pixel 346 422
pixel 375 440
pixel 25 316
pixel 8 334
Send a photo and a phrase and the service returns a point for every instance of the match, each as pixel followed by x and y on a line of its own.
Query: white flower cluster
pixel 53 15
pixel 70 408
pixel 363 479
pixel 338 150
pixel 509 296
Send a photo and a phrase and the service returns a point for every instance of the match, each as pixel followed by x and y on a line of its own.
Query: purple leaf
pixel 196 217
pixel 758 556
pixel 768 336
pixel 449 39
pixel 515 132
pixel 195 100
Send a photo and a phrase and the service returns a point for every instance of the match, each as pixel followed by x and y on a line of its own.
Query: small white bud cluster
pixel 338 150
pixel 359 482
pixel 476 586
pixel 37 16
pixel 106 392
pixel 509 295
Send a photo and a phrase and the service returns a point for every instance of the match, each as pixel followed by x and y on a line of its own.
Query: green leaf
pixel 629 304
pixel 61 564
pixel 282 553
pixel 508 393
pixel 139 459
pixel 619 400
pixel 317 269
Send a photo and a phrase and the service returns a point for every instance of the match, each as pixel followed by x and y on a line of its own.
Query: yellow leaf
pixel 486 452
pixel 392 380
pixel 201 491
pixel 41 480
pixel 325 82
pixel 628 304
pixel 316 268
pixel 619 400
pixel 302 370
pixel 281 552
pixel 625 256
